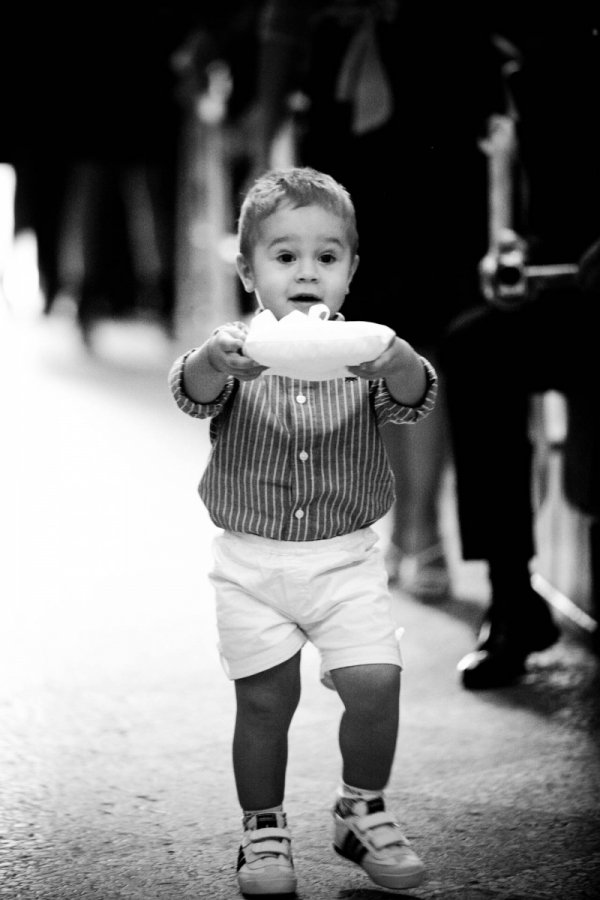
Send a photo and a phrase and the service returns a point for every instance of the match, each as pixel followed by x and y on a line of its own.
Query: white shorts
pixel 274 596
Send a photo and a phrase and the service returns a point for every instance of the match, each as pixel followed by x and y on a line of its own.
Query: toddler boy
pixel 296 477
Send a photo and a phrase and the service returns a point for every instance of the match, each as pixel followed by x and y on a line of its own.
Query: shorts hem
pixel 362 657
pixel 275 656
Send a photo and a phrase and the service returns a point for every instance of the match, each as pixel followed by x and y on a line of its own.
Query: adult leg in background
pixel 493 362
pixel 419 457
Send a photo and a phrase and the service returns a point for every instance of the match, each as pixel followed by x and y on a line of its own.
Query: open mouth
pixel 305 298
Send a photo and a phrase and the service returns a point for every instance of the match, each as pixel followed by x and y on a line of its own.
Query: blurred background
pixel 118 206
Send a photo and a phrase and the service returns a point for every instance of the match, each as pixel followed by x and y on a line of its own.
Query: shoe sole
pixel 283 884
pixel 280 888
pixel 392 882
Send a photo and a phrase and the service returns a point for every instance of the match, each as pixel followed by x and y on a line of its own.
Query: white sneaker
pixel 367 835
pixel 265 864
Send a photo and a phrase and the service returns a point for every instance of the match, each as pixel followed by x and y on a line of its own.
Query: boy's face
pixel 302 257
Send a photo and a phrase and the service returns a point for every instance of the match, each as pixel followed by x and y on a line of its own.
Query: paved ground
pixel 115 717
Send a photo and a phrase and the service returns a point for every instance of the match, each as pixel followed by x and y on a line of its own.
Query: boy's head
pixel 301 186
pixel 298 240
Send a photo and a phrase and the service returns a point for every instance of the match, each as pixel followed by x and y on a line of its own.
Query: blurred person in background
pixel 405 89
pixel 30 142
pixel 92 119
pixel 121 111
pixel 217 65
pixel 531 337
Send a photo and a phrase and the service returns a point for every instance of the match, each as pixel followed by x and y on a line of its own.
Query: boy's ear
pixel 353 268
pixel 245 272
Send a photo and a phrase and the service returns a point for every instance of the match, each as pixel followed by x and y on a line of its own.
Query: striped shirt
pixel 297 460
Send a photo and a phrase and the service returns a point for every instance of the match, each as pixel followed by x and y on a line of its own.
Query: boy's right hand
pixel 224 352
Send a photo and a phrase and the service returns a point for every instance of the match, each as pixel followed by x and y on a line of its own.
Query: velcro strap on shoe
pixel 380 830
pixel 270 848
pixel 271 840
pixel 374 820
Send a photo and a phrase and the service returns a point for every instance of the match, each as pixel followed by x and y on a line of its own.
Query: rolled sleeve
pixel 387 409
pixel 185 403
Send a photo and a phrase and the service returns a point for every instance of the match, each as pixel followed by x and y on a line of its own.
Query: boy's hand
pixel 403 371
pixel 390 362
pixel 224 352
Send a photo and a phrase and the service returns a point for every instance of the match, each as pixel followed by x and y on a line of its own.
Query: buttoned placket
pixel 301 399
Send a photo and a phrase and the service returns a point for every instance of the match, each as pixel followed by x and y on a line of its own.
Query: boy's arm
pixel 402 369
pixel 207 369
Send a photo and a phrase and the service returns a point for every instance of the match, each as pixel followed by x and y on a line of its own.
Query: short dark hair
pixel 300 186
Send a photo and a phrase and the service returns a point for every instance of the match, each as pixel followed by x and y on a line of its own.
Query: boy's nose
pixel 307 272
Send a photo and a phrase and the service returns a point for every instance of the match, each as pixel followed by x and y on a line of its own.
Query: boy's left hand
pixel 390 362
pixel 402 369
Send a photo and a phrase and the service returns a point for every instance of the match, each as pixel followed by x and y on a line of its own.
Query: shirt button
pixel 300 398
pixel 303 455
pixel 299 513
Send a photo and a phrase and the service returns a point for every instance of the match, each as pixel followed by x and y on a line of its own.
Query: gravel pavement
pixel 116 718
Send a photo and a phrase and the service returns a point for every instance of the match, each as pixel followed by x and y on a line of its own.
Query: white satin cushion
pixel 312 347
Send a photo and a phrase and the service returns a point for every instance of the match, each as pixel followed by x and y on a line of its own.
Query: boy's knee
pixel 259 707
pixel 269 695
pixel 368 687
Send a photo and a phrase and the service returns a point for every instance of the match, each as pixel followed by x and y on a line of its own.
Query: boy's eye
pixel 328 258
pixel 285 257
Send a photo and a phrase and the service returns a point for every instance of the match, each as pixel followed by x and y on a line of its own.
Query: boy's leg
pixel 365 832
pixel 369 725
pixel 266 703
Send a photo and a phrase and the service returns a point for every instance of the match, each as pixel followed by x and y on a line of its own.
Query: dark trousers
pixel 492 362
